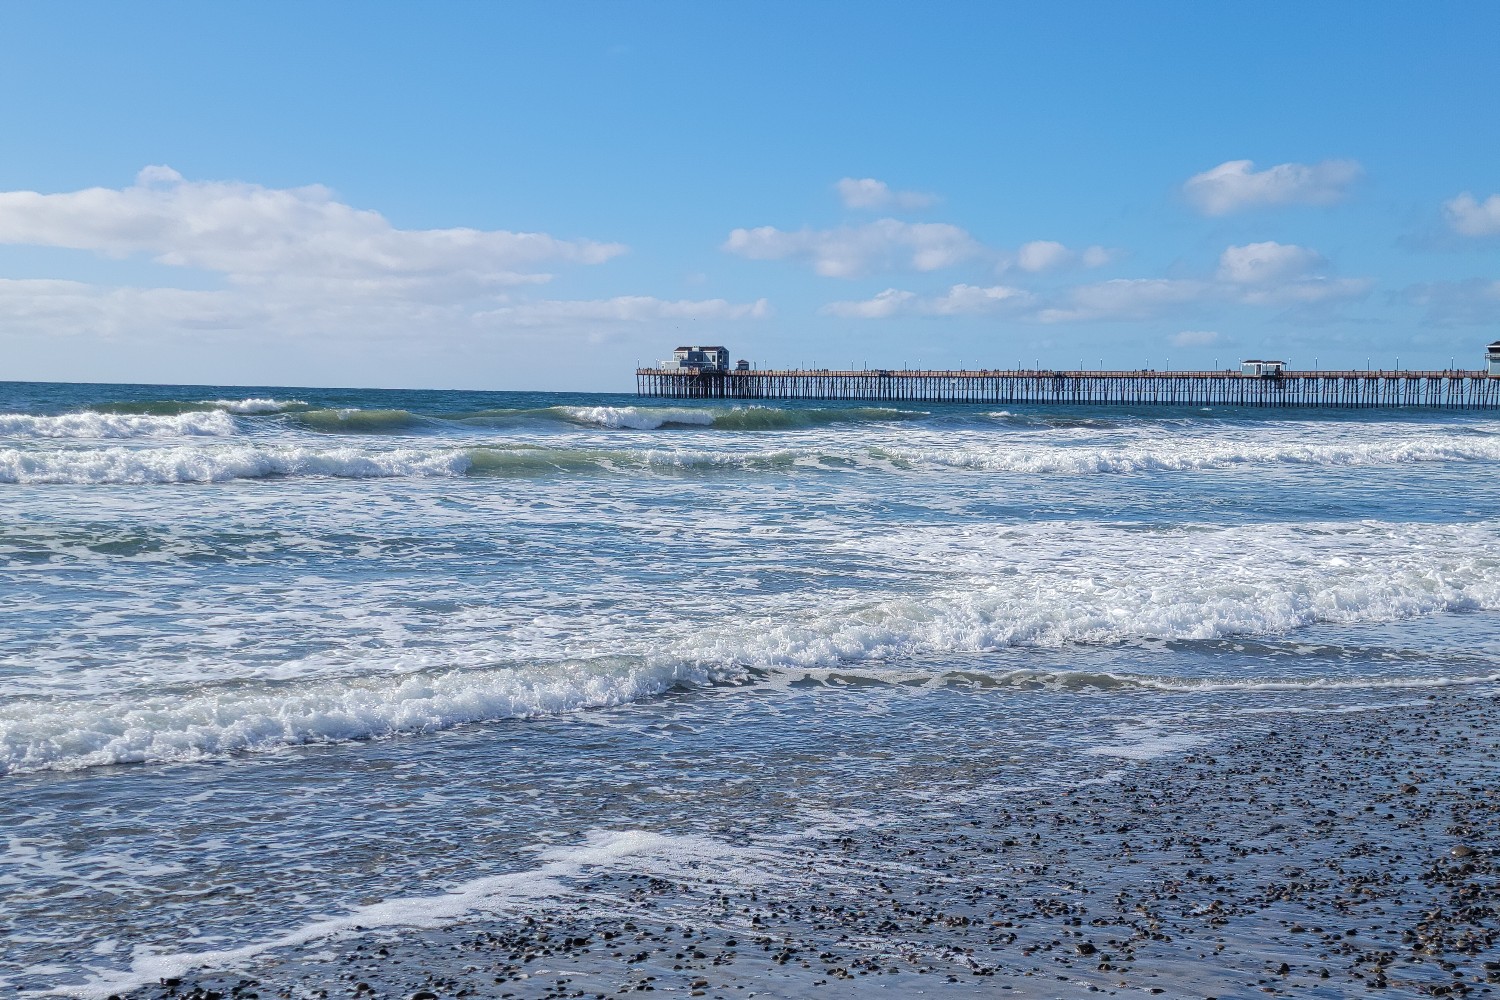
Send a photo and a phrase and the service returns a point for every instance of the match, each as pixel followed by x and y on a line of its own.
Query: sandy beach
pixel 1323 856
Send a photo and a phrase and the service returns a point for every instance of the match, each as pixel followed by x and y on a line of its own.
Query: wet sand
pixel 1318 856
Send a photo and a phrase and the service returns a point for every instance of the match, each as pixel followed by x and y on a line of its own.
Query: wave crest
pixel 234 717
pixel 93 425
pixel 1190 455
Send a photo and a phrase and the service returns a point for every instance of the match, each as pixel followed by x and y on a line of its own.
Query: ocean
pixel 282 665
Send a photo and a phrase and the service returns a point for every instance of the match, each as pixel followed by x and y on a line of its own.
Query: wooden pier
pixel 1454 390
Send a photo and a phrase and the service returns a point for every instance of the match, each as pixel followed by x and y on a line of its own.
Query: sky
pixel 545 195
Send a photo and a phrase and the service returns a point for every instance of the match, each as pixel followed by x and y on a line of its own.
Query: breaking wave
pixel 650 418
pixel 184 463
pixel 135 466
pixel 257 405
pixel 173 407
pixel 210 720
pixel 1260 583
pixel 93 425
pixel 1192 454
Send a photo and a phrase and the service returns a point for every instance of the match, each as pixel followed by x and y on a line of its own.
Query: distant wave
pixel 173 407
pixel 212 423
pixel 1052 420
pixel 258 405
pixel 142 466
pixel 650 418
pixel 1188 454
pixel 127 466
pixel 352 420
pixel 187 463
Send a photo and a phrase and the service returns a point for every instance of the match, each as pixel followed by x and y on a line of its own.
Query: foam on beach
pixel 602 850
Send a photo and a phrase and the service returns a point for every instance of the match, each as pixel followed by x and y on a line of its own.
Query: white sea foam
pixel 637 418
pixel 1192 453
pixel 639 851
pixel 215 719
pixel 213 423
pixel 257 404
pixel 195 464
pixel 186 464
pixel 1141 743
pixel 1056 585
pixel 1045 586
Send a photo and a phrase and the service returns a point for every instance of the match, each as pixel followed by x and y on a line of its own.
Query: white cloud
pixel 867 192
pixel 1197 338
pixel 249 233
pixel 891 302
pixel 1040 256
pixel 1098 256
pixel 959 300
pixel 1282 274
pixel 1236 185
pixel 72 308
pixel 1256 274
pixel 623 309
pixel 1266 263
pixel 298 262
pixel 57 307
pixel 1308 291
pixel 970 300
pixel 850 251
pixel 1262 274
pixel 1474 218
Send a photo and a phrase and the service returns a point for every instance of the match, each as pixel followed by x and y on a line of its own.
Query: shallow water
pixel 269 655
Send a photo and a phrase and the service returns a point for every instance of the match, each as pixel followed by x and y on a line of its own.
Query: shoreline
pixel 1329 856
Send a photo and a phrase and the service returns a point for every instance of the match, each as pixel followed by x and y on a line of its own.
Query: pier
pixel 1454 390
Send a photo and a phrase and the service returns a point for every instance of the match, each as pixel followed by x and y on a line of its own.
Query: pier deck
pixel 1459 390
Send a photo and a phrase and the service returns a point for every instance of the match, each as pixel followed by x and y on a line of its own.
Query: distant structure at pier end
pixel 697 372
pixel 698 360
pixel 1265 369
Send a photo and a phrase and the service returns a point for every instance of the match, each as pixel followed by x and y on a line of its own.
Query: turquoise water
pixel 271 655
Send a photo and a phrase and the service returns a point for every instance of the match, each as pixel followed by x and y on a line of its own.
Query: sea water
pixel 277 663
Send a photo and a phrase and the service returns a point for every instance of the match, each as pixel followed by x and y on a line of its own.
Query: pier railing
pixel 1455 389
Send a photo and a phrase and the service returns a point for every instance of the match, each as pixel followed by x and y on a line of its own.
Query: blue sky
pixel 541 195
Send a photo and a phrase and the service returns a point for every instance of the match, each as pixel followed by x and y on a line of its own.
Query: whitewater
pixel 397 641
